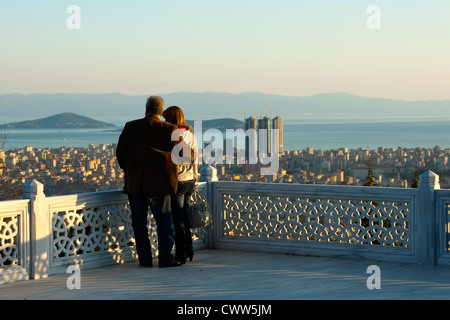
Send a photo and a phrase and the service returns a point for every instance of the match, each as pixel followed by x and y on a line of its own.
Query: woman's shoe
pixel 190 255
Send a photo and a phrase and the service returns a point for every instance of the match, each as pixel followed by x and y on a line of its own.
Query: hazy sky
pixel 294 47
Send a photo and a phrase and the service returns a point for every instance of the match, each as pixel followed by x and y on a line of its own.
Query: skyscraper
pixel 277 123
pixel 251 139
pixel 264 123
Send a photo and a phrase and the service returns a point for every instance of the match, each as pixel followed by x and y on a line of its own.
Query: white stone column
pixel 425 229
pixel 209 174
pixel 40 226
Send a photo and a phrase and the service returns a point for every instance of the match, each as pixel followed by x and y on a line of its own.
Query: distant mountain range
pixel 119 108
pixel 62 120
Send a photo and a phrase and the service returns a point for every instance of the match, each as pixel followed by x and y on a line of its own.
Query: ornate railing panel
pixel 446 234
pixel 443 226
pixel 365 222
pixel 90 228
pixel 14 240
pixel 355 219
pixel 9 241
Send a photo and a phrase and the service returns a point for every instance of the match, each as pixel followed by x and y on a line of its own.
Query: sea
pixel 318 133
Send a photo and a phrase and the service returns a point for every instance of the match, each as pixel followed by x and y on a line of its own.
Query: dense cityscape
pixel 72 170
pixel 95 168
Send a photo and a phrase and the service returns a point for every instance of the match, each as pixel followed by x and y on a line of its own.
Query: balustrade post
pixel 209 174
pixel 426 215
pixel 40 230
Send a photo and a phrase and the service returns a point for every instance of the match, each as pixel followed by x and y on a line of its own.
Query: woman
pixel 187 182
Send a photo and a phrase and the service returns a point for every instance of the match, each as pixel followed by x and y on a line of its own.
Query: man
pixel 144 153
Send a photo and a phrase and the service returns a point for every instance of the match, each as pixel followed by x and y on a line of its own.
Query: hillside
pixel 220 124
pixel 62 120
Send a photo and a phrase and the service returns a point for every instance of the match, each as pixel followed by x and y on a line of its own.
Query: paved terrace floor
pixel 237 275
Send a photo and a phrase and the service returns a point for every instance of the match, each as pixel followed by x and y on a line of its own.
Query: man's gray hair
pixel 155 105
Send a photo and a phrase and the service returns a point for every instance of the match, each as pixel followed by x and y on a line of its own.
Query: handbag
pixel 199 214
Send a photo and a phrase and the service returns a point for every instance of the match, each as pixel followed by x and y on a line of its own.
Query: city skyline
pixel 293 48
pixel 66 170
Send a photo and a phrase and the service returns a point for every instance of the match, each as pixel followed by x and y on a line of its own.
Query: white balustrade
pixel 40 235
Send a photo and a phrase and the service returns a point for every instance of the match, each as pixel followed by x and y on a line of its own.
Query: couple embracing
pixel 159 178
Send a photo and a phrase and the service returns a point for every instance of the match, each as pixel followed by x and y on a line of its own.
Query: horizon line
pixel 221 92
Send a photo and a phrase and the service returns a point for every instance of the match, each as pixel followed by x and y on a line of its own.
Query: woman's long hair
pixel 174 115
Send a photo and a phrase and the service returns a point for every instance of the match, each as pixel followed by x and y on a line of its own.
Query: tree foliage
pixel 415 179
pixel 370 180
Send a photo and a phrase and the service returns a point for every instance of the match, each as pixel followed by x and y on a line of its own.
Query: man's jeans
pixel 160 207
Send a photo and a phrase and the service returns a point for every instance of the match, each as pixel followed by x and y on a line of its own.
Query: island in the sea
pixel 220 124
pixel 62 120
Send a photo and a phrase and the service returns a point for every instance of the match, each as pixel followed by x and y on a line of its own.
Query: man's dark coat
pixel 144 153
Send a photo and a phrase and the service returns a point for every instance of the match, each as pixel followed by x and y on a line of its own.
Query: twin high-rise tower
pixel 266 134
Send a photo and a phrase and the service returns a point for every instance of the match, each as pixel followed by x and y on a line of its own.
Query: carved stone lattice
pixel 447 228
pixel 9 253
pixel 89 230
pixel 383 223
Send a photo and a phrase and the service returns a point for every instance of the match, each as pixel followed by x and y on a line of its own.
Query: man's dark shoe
pixel 146 264
pixel 171 264
pixel 180 258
